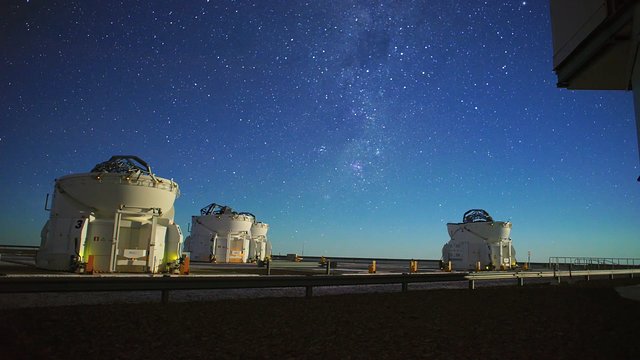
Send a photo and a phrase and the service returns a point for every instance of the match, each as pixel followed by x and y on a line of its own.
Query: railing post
pixel 308 291
pixel 570 268
pixel 328 266
pixel 472 284
pixel 405 286
pixel 521 281
pixel 269 267
pixel 165 296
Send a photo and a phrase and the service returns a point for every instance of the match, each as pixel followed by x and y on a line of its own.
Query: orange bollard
pixel 372 267
pixel 184 266
pixel 413 266
pixel 89 267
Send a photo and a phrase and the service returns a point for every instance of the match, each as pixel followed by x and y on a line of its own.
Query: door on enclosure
pixel 236 250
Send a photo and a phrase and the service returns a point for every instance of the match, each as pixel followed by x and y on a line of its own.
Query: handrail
pixel 591 261
pixel 83 283
pixel 75 283
pixel 13 246
pixel 557 274
pixel 549 274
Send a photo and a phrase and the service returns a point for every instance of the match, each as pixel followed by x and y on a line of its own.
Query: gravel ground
pixel 584 320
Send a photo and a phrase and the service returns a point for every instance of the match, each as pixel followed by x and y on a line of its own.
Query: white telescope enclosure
pixel 119 217
pixel 479 240
pixel 222 235
pixel 219 234
pixel 259 246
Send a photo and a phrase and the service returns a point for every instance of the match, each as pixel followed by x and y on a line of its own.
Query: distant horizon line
pixel 370 258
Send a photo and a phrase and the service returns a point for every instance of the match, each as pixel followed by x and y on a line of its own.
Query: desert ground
pixel 580 320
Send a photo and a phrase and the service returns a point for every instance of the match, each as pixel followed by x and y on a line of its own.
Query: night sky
pixel 354 128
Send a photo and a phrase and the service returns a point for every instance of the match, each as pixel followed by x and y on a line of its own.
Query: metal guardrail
pixel 165 284
pixel 591 262
pixel 557 274
pixel 170 283
pixel 30 247
pixel 19 250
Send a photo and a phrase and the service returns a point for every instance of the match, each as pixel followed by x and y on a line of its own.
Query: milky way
pixel 355 128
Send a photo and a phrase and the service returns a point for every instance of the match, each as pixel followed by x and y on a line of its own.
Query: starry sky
pixel 354 128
